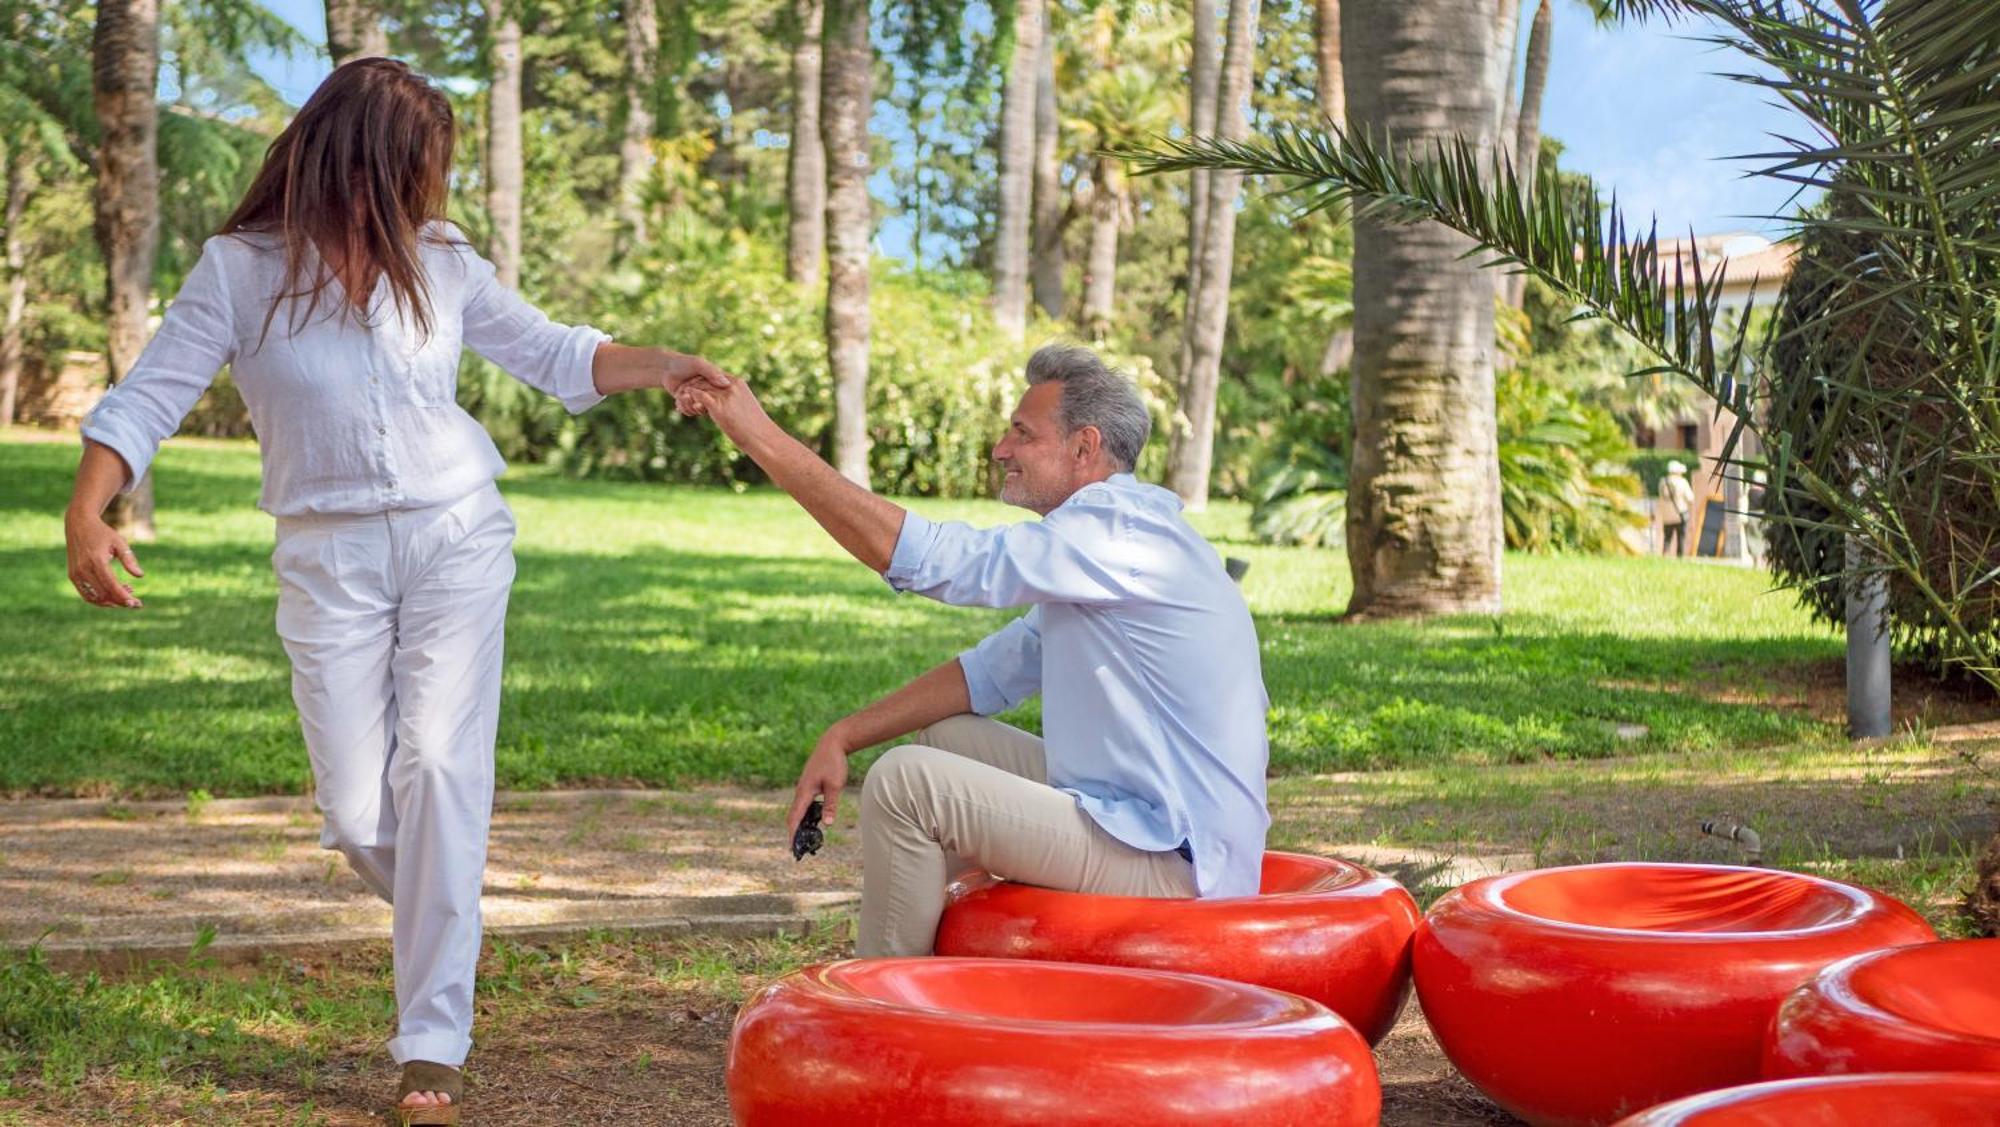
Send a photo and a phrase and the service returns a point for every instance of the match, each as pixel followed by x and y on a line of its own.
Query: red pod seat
pixel 1901 1099
pixel 1005 1043
pixel 1911 1009
pixel 1323 929
pixel 1578 995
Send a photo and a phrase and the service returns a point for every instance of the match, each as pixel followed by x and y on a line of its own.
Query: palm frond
pixel 1577 245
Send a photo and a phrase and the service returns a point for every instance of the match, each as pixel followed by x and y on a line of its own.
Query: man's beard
pixel 1013 490
pixel 1016 491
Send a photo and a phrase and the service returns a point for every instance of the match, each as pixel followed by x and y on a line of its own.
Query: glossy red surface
pixel 1323 929
pixel 1904 1099
pixel 1913 1009
pixel 1577 995
pixel 1005 1043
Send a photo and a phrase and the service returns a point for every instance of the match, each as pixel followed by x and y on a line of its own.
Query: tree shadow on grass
pixel 36 478
pixel 1910 818
pixel 666 666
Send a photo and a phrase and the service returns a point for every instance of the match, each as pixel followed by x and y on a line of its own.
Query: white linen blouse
pixel 354 412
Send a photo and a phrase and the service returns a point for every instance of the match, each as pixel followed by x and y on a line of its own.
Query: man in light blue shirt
pixel 1149 778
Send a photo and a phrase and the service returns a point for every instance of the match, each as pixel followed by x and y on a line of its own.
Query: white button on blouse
pixel 354 413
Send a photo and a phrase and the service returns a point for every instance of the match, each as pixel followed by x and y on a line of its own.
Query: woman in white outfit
pixel 341 300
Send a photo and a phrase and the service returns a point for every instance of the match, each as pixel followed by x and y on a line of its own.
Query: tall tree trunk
pixel 20 185
pixel 1326 48
pixel 1332 90
pixel 1191 450
pixel 1048 253
pixel 125 76
pixel 1100 275
pixel 1017 156
pixel 354 31
pixel 1507 17
pixel 1203 75
pixel 1423 503
pixel 635 152
pixel 1527 136
pixel 847 95
pixel 503 142
pixel 805 161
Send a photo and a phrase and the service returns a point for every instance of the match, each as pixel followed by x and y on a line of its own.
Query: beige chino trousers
pixel 973 791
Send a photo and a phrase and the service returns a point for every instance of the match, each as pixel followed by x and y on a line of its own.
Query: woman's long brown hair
pixel 351 182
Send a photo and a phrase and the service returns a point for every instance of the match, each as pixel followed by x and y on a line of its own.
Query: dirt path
pixel 105 874
pixel 645 1043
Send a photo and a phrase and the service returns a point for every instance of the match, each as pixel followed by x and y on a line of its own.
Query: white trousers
pixel 394 623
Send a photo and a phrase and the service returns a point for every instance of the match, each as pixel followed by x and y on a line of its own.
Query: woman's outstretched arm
pixel 622 367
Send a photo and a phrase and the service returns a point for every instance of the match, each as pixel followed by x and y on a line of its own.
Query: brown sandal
pixel 424 1076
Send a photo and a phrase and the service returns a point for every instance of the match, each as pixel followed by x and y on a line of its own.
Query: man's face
pixel 1042 463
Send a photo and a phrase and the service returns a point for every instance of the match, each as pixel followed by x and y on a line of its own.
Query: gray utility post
pixel 1867 646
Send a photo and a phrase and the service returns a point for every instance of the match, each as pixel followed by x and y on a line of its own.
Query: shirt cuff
pixel 578 389
pixel 108 430
pixel 913 543
pixel 980 688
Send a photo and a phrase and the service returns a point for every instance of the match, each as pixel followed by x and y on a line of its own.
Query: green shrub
pixel 1564 481
pixel 941 384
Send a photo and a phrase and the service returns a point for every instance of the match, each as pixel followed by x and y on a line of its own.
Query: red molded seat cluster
pixel 1578 995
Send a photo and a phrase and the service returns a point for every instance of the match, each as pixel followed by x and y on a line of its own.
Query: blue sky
pixel 1638 108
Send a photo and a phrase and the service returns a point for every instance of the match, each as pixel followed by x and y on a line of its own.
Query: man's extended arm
pixel 932 697
pixel 864 524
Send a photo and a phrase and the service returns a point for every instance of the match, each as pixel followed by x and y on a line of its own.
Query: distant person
pixel 1676 510
pixel 1148 778
pixel 340 299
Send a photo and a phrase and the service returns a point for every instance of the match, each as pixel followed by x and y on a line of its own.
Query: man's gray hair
pixel 1095 395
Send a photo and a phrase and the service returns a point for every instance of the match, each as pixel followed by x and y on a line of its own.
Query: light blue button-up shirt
pixel 1153 698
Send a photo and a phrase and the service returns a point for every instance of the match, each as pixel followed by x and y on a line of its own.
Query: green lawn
pixel 669 635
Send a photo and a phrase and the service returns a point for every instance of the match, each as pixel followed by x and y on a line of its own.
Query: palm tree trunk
pixel 354 31
pixel 1191 450
pixel 1423 503
pixel 125 75
pixel 20 185
pixel 847 95
pixel 1332 89
pixel 1507 61
pixel 1048 262
pixel 1204 73
pixel 1528 127
pixel 805 161
pixel 1326 44
pixel 1017 155
pixel 635 151
pixel 1100 276
pixel 503 143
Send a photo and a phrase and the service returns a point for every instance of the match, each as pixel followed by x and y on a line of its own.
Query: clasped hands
pixel 731 404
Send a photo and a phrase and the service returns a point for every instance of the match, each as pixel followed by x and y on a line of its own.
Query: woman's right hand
pixel 93 544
